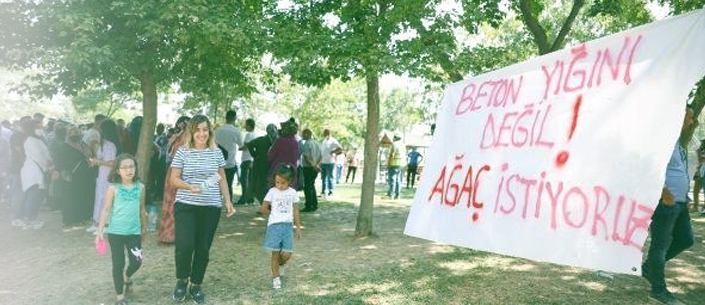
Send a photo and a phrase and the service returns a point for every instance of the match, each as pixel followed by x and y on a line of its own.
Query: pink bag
pixel 101 246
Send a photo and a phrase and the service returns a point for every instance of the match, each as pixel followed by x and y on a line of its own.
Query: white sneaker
pixel 18 223
pixel 277 283
pixel 91 229
pixel 33 225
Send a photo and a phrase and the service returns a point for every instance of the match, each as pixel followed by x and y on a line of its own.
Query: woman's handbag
pixel 68 175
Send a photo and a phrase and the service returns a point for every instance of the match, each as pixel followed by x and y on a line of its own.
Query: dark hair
pixel 114 176
pixel 108 131
pixel 99 117
pixel 60 131
pixel 28 127
pixel 289 127
pixel 230 116
pixel 133 131
pixel 250 123
pixel 181 123
pixel 285 171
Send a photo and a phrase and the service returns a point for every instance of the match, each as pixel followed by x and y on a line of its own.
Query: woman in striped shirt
pixel 197 172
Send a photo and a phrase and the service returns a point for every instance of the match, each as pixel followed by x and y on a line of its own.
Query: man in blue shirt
pixel 412 166
pixel 671 232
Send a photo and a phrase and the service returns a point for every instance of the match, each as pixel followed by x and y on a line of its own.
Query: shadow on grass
pixel 329 266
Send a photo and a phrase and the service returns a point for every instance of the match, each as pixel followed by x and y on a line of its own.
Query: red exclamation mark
pixel 563 156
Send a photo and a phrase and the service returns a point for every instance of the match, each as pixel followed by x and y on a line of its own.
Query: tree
pixel 133 46
pixel 401 109
pixel 103 101
pixel 318 41
pixel 338 106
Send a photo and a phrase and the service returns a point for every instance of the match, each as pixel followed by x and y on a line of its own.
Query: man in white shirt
pixel 329 148
pixel 246 164
pixel 230 138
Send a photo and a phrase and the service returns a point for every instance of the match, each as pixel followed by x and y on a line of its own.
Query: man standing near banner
pixel 671 232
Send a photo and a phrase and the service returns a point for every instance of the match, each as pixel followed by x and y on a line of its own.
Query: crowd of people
pixel 89 173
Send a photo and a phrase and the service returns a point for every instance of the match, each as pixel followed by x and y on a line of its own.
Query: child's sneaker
pixel 196 294
pixel 180 291
pixel 92 229
pixel 277 282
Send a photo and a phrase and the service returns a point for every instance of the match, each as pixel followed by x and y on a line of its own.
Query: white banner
pixel 562 158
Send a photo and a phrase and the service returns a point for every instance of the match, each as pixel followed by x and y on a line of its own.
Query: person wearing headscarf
pixel 76 184
pixel 37 162
pixel 259 149
pixel 285 150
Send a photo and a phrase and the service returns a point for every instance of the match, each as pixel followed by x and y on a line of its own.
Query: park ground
pixel 57 265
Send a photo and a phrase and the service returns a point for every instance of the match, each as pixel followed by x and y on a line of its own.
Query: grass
pixel 330 266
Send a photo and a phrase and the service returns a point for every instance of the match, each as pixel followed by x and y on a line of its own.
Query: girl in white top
pixel 281 203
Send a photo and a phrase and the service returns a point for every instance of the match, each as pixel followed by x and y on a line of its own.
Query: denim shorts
pixel 279 237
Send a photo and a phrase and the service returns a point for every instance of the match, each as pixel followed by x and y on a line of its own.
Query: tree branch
pixel 567 25
pixel 532 23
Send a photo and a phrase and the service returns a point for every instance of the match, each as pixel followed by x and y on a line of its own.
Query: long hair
pixel 108 131
pixel 114 176
pixel 193 127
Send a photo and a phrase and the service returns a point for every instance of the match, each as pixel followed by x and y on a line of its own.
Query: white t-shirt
pixel 246 156
pixel 230 138
pixel 340 159
pixel 281 205
pixel 327 147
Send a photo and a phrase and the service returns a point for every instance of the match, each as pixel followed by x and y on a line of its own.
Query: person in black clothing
pixel 76 184
pixel 259 149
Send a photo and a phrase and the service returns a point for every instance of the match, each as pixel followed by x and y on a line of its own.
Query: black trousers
pixel 118 245
pixel 194 228
pixel 245 182
pixel 353 170
pixel 411 171
pixel 310 175
pixel 230 178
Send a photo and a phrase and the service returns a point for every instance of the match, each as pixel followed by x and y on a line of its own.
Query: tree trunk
pixel 369 172
pixel 149 121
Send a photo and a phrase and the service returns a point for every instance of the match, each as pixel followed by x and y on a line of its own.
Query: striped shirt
pixel 197 166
